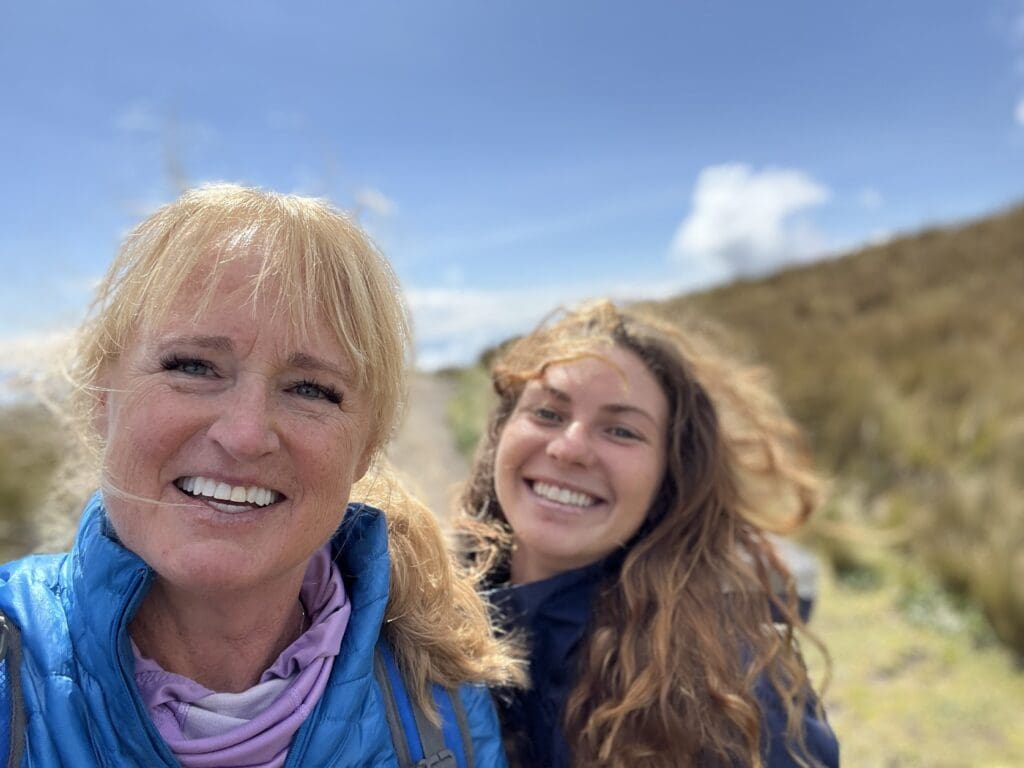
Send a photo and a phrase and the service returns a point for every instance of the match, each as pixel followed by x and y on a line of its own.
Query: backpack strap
pixel 12 713
pixel 418 742
pixel 454 725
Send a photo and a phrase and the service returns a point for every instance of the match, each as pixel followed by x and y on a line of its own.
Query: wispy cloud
pixel 869 198
pixel 454 325
pixel 29 360
pixel 374 201
pixel 138 117
pixel 504 234
pixel 1018 113
pixel 744 221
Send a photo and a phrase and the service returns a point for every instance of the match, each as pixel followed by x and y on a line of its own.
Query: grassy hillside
pixel 904 361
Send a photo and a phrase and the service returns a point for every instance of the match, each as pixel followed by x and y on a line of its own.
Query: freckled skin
pixel 242 415
pixel 596 426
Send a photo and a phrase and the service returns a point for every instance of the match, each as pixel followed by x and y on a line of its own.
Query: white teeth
pixel 563 495
pixel 240 494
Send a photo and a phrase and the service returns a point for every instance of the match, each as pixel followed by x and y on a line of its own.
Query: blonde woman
pixel 224 605
pixel 617 509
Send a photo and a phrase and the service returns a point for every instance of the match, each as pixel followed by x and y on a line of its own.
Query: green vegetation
pixel 918 681
pixel 28 455
pixel 467 411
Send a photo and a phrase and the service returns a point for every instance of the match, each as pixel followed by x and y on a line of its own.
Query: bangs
pixel 312 265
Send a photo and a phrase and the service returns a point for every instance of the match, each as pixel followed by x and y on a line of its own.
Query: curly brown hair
pixel 678 639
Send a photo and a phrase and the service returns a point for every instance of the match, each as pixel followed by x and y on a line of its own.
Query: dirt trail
pixel 424 449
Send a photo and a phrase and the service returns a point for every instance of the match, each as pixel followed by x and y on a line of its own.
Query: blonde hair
pixel 317 266
pixel 435 621
pixel 678 639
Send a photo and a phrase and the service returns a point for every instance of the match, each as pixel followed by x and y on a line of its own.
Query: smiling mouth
pixel 561 495
pixel 228 498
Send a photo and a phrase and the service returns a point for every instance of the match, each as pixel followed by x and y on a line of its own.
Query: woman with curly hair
pixel 619 511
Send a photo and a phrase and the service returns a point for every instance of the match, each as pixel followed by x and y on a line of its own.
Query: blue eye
pixel 623 433
pixel 313 391
pixel 190 366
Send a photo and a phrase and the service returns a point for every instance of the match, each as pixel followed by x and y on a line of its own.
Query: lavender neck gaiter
pixel 254 728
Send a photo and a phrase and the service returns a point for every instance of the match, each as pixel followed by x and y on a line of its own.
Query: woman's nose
pixel 244 425
pixel 572 445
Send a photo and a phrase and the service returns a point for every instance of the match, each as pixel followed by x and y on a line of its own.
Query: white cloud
pixel 148 121
pixel 31 360
pixel 374 201
pixel 745 221
pixel 454 325
pixel 1018 113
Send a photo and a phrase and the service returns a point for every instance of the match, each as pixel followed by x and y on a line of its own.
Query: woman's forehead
pixel 235 313
pixel 613 371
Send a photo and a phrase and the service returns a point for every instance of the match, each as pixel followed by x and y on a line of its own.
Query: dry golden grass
pixel 917 681
pixel 904 362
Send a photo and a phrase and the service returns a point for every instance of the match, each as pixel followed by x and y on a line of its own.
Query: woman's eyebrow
pixel 216 343
pixel 301 360
pixel 307 362
pixel 556 393
pixel 616 408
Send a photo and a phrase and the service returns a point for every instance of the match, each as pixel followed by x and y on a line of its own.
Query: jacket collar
pixel 109 582
pixel 556 611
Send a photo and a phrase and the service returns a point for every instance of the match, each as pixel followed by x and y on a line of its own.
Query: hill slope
pixel 904 361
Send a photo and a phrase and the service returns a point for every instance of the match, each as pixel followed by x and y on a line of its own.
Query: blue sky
pixel 507 156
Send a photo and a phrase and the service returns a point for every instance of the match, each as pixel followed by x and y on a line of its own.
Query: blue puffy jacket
pixel 81 705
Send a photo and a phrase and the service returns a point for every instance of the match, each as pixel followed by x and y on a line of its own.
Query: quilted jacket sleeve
pixel 483 725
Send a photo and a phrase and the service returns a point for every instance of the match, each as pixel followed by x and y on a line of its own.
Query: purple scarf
pixel 254 728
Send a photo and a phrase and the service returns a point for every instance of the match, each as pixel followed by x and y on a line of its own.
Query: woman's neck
pixel 224 643
pixel 525 568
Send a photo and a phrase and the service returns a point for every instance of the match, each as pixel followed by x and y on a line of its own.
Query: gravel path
pixel 424 449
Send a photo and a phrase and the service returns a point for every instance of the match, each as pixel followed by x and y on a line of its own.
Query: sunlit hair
pixel 315 266
pixel 678 639
pixel 436 622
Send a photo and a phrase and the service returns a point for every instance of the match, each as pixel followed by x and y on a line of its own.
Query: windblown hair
pixel 316 266
pixel 436 622
pixel 677 641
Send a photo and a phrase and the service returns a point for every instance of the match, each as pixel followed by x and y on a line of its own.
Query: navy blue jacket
pixel 82 707
pixel 555 614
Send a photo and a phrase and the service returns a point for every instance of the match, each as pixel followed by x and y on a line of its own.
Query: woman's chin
pixel 212 567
